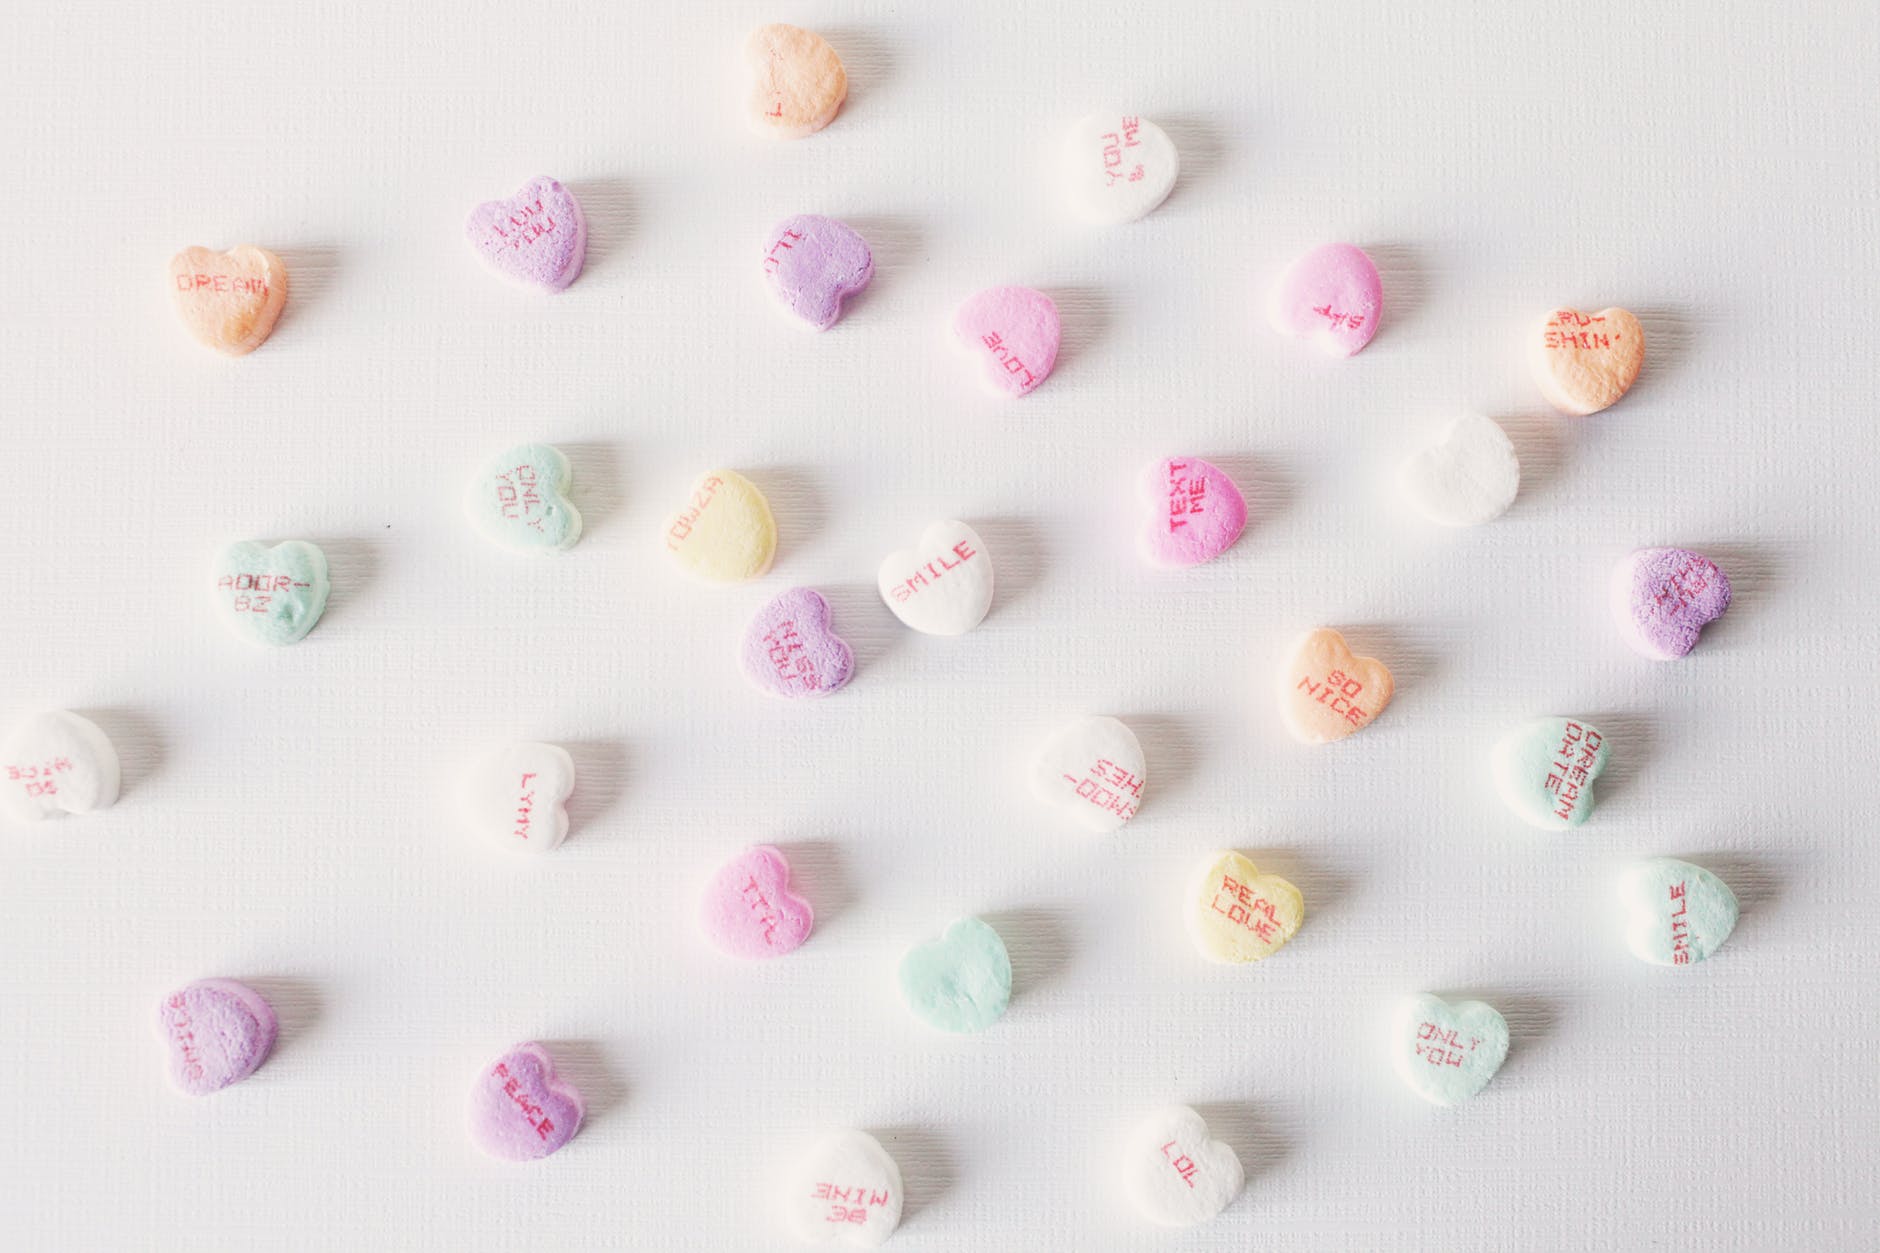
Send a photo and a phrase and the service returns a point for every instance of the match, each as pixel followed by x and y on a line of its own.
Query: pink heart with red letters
pixel 1195 511
pixel 1013 332
pixel 749 909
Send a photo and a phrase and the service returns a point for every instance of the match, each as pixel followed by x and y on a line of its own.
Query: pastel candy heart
pixel 749 909
pixel 943 584
pixel 797 81
pixel 1544 771
pixel 271 595
pixel 1013 332
pixel 520 500
pixel 1235 914
pixel 725 533
pixel 56 763
pixel 1117 167
pixel 516 797
pixel 1092 771
pixel 537 237
pixel 229 300
pixel 1447 1053
pixel 1467 477
pixel 1327 692
pixel 846 1188
pixel 1679 913
pixel 1195 512
pixel 961 982
pixel 520 1109
pixel 218 1032
pixel 1332 296
pixel 1584 362
pixel 814 263
pixel 1664 597
pixel 1175 1173
pixel 790 649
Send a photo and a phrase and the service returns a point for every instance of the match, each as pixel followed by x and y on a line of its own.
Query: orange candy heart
pixel 1584 362
pixel 1326 692
pixel 228 300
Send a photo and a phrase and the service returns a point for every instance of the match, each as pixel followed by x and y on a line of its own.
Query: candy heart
pixel 1584 362
pixel 812 264
pixel 1235 914
pixel 1013 333
pixel 1333 296
pixel 1195 512
pixel 749 909
pixel 1092 771
pixel 1467 477
pixel 798 84
pixel 229 300
pixel 1175 1173
pixel 1117 167
pixel 725 533
pixel 520 1110
pixel 56 762
pixel 943 584
pixel 537 236
pixel 271 595
pixel 1327 693
pixel 1663 597
pixel 1447 1053
pixel 1680 913
pixel 516 798
pixel 845 1188
pixel 1544 771
pixel 790 650
pixel 960 982
pixel 218 1032
pixel 520 500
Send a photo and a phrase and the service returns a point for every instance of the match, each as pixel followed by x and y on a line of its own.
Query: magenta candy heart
pixel 749 909
pixel 812 263
pixel 1333 296
pixel 1014 333
pixel 789 649
pixel 1663 597
pixel 520 1110
pixel 537 236
pixel 218 1031
pixel 1195 512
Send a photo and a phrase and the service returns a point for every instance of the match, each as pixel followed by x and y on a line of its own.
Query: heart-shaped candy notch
pixel 537 237
pixel 1584 362
pixel 812 264
pixel 725 533
pixel 960 982
pixel 1175 1173
pixel 797 81
pixel 749 909
pixel 1447 1053
pixel 218 1032
pixel 1664 597
pixel 516 798
pixel 1331 296
pixel 1092 771
pixel 1467 477
pixel 846 1188
pixel 1013 333
pixel 790 649
pixel 1327 692
pixel 943 584
pixel 1544 771
pixel 1236 915
pixel 1118 167
pixel 1679 913
pixel 520 1109
pixel 1195 512
pixel 229 301
pixel 520 500
pixel 271 595
pixel 56 763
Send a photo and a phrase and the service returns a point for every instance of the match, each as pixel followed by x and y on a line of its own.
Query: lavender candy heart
pixel 790 650
pixel 218 1032
pixel 1663 597
pixel 537 236
pixel 812 263
pixel 520 1109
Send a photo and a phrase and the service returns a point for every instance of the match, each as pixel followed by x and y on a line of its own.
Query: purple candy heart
pixel 789 649
pixel 519 1110
pixel 812 263
pixel 218 1032
pixel 537 236
pixel 1662 598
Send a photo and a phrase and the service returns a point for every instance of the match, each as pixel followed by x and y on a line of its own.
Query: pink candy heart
pixel 1014 334
pixel 749 909
pixel 218 1031
pixel 790 650
pixel 520 1110
pixel 538 236
pixel 812 263
pixel 1333 296
pixel 1195 512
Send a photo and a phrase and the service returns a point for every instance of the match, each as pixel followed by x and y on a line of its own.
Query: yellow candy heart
pixel 725 533
pixel 1236 914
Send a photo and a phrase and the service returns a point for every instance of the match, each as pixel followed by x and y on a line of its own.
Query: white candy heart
pixel 943 584
pixel 56 762
pixel 1117 167
pixel 1468 476
pixel 1447 1053
pixel 1175 1173
pixel 1092 771
pixel 845 1188
pixel 515 798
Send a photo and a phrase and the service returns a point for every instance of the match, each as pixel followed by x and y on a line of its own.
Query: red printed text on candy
pixel 1109 787
pixel 1338 692
pixel 848 1205
pixel 1443 1046
pixel 930 572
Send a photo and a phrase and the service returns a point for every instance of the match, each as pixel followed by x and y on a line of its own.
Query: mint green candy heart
pixel 1680 913
pixel 1544 771
pixel 1447 1053
pixel 960 982
pixel 271 595
pixel 520 500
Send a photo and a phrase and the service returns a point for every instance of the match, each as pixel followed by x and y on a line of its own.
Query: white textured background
pixel 286 814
